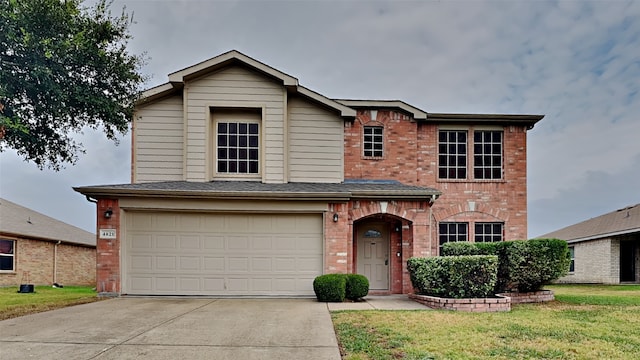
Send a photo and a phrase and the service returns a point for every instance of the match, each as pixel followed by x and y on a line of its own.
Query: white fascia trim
pixel 605 235
pixel 344 110
pixel 414 111
pixel 179 76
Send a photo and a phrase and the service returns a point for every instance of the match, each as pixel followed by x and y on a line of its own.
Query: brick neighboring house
pixel 605 249
pixel 41 250
pixel 244 182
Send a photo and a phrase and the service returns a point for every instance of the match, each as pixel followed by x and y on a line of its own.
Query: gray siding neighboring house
pixel 605 249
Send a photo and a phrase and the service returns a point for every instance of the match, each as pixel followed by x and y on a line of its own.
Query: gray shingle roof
pixel 19 220
pixel 254 189
pixel 621 221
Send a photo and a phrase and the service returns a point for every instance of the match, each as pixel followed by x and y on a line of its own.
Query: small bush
pixel 467 276
pixel 330 287
pixel 357 286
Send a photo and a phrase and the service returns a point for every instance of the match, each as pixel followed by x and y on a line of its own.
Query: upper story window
pixel 452 232
pixel 453 150
pixel 237 147
pixel 487 154
pixel 488 232
pixel 452 154
pixel 373 141
pixel 7 259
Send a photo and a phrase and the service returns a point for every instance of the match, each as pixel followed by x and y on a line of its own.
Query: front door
pixel 373 254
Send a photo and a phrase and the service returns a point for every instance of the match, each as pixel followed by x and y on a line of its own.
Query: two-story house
pixel 244 182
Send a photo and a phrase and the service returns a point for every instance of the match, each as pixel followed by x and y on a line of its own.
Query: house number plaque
pixel 107 233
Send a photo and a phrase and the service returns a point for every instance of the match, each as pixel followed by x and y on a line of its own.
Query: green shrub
pixel 330 287
pixel 533 263
pixel 459 248
pixel 357 286
pixel 467 276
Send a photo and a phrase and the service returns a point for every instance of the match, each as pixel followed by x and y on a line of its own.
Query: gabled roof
pixel 619 222
pixel 20 221
pixel 255 190
pixel 178 78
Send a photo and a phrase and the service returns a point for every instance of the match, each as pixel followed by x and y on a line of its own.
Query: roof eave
pixel 228 195
pixel 520 119
pixel 605 235
pixel 416 113
pixel 42 238
pixel 345 111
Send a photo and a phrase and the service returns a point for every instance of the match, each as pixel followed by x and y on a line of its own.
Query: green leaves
pixel 63 68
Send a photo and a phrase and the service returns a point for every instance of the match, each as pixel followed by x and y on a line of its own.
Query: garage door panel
pixel 215 254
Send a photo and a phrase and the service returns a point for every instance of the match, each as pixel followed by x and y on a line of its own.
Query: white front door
pixel 373 254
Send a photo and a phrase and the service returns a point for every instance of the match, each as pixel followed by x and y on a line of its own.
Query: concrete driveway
pixel 168 328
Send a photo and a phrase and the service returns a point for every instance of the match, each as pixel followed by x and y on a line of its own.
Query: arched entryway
pixel 378 252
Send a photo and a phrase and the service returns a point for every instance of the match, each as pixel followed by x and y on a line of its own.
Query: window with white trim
pixel 487 154
pixel 488 231
pixel 7 255
pixel 373 142
pixel 453 232
pixel 572 255
pixel 237 147
pixel 452 154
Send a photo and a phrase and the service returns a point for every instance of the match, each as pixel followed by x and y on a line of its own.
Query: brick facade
pixel 35 261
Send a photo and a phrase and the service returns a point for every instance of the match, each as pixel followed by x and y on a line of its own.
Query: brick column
pixel 108 250
pixel 337 240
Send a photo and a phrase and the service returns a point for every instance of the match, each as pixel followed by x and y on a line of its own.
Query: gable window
pixel 452 154
pixel 238 147
pixel 452 232
pixel 373 141
pixel 7 258
pixel 572 255
pixel 488 232
pixel 487 154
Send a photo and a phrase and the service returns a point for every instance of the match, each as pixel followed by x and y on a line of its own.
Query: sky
pixel 576 62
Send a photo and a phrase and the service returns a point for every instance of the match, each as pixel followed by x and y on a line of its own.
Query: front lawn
pixel 585 322
pixel 45 298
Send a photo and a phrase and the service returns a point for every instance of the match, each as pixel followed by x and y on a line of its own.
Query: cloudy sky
pixel 577 62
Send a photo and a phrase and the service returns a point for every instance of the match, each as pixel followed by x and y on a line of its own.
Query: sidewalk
pixel 379 302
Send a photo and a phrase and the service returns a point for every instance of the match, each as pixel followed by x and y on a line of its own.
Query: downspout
pixel 55 261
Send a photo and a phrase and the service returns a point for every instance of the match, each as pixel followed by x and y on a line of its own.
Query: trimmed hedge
pixel 522 265
pixel 468 276
pixel 330 287
pixel 357 286
pixel 337 287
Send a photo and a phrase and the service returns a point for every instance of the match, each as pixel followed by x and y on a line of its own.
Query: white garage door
pixel 221 254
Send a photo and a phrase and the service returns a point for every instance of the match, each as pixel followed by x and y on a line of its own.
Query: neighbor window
pixel 373 141
pixel 487 154
pixel 238 147
pixel 7 258
pixel 488 232
pixel 572 255
pixel 452 232
pixel 452 154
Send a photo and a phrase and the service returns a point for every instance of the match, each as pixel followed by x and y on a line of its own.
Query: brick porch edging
pixel 499 303
pixel 530 297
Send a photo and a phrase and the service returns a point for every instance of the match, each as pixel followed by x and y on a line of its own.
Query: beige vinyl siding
pixel 159 147
pixel 316 140
pixel 234 87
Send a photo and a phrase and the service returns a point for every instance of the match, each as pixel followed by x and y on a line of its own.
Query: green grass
pixel 585 322
pixel 45 298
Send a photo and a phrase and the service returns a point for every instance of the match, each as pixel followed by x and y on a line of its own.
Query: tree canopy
pixel 63 68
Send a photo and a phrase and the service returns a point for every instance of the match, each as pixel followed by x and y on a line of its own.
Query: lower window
pixel 488 232
pixel 452 232
pixel 7 258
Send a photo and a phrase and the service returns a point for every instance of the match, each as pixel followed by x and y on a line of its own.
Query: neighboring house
pixel 37 249
pixel 244 182
pixel 605 249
